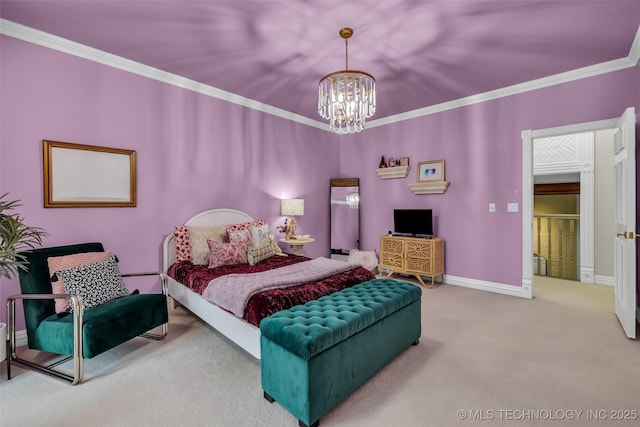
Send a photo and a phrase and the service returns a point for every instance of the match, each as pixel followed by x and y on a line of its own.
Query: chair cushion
pixel 105 325
pixel 38 281
pixel 58 263
pixel 96 283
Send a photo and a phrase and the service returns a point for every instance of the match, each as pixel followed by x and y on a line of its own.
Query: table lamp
pixel 292 208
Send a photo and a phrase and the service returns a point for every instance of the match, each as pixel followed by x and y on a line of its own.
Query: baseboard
pixel 498 288
pixel 482 285
pixel 21 338
pixel 604 280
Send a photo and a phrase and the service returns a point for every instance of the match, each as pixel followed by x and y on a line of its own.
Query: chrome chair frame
pixel 78 312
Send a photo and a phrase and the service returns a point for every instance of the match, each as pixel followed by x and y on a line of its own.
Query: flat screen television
pixel 414 222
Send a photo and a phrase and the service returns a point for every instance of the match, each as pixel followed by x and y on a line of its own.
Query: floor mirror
pixel 345 216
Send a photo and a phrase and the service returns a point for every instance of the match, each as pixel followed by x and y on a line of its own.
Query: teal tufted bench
pixel 315 355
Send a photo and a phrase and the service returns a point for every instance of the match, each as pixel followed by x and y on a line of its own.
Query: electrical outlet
pixel 492 207
pixel 512 207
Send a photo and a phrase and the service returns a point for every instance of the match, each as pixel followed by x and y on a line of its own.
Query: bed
pixel 243 332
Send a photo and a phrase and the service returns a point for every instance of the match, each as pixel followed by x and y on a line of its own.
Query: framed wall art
pixel 431 171
pixel 78 175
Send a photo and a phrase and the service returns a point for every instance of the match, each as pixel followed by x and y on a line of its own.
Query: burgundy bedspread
pixel 197 277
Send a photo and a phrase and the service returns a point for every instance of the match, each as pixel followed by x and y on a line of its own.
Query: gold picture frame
pixel 431 171
pixel 78 175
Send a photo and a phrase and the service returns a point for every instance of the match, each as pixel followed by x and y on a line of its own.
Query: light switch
pixel 512 207
pixel 492 207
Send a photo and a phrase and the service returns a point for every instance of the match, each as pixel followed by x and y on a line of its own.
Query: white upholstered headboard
pixel 210 218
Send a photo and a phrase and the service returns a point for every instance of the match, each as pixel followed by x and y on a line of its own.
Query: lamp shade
pixel 292 207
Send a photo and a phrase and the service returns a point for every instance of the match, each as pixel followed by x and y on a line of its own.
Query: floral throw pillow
pixel 199 246
pixel 96 283
pixel 226 254
pixel 58 263
pixel 242 238
pixel 183 243
pixel 245 225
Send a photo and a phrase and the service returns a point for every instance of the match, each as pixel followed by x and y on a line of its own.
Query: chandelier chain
pixel 346 54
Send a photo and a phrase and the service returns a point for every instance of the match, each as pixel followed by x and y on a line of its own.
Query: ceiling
pixel 422 53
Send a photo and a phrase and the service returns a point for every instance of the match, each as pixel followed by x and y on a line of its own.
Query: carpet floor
pixel 483 359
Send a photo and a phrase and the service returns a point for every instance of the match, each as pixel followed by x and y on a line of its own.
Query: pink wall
pixel 482 147
pixel 196 153
pixel 193 153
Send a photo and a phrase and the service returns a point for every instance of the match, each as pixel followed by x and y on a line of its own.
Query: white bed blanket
pixel 232 292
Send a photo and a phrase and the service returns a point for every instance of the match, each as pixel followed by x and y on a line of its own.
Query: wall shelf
pixel 438 187
pixel 394 172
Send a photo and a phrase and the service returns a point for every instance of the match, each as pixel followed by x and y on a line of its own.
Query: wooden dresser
pixel 413 255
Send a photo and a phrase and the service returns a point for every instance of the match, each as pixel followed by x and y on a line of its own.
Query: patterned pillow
pixel 226 254
pixel 255 255
pixel 199 246
pixel 259 235
pixel 96 283
pixel 245 225
pixel 242 238
pixel 58 263
pixel 183 243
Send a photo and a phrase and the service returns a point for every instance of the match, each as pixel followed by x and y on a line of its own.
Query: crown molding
pixel 60 44
pixel 42 38
pixel 634 52
pixel 593 70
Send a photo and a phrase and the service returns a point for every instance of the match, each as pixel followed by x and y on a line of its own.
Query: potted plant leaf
pixel 15 236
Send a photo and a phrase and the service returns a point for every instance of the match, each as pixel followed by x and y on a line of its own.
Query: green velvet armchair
pixel 83 332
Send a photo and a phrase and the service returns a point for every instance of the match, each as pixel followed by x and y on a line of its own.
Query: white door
pixel 625 216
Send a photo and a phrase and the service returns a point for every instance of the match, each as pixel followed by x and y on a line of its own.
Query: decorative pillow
pixel 183 243
pixel 96 283
pixel 257 254
pixel 242 238
pixel 245 225
pixel 259 235
pixel 226 254
pixel 58 263
pixel 199 237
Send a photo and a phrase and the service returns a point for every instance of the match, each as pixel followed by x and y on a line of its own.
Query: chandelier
pixel 347 98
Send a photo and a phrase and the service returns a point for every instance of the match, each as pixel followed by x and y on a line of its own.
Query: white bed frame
pixel 236 329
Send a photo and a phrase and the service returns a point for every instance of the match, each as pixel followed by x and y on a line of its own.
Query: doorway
pixel 571 231
pixel 528 137
pixel 624 192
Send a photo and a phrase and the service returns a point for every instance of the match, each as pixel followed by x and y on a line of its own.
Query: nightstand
pixel 297 244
